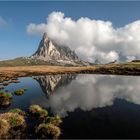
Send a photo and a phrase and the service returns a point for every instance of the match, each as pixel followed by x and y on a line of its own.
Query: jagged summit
pixel 49 50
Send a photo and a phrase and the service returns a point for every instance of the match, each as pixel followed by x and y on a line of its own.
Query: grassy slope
pixel 132 68
pixel 24 67
pixel 22 61
pixel 129 68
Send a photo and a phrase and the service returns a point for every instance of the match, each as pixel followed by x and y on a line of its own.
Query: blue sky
pixel 14 40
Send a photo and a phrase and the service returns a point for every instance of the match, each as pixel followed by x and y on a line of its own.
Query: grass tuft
pixel 9 124
pixel 48 130
pixel 56 120
pixel 4 128
pixel 19 91
pixel 38 111
pixel 18 111
pixel 5 94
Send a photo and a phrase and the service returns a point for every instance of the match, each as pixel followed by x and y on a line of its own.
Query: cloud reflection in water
pixel 89 91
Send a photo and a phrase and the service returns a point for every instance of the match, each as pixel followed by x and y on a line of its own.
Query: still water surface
pixel 92 106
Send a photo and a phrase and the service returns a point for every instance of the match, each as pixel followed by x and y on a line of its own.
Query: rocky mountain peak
pixel 45 38
pixel 49 50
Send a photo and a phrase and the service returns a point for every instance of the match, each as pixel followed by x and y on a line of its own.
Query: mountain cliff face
pixel 50 51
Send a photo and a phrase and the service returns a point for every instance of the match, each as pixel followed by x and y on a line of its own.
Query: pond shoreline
pixel 6 73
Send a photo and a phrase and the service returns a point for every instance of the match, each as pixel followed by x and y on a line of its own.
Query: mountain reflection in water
pixel 70 92
pixel 51 83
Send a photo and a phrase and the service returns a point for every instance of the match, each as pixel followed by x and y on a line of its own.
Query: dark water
pixel 92 106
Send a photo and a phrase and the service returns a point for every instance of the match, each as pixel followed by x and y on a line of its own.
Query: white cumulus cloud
pixel 92 39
